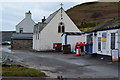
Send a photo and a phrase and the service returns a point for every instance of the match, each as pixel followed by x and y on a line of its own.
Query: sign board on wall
pixel 115 55
pixel 104 36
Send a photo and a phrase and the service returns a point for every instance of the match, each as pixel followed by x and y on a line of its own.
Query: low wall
pixel 21 44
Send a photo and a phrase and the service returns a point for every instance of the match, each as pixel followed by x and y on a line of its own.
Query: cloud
pixel 0 15
pixel 109 0
pixel 44 0
pixel 14 12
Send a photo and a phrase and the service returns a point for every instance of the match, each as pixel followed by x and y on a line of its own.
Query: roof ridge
pixel 105 25
pixel 54 13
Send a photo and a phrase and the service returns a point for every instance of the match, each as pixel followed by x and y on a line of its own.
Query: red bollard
pixel 78 51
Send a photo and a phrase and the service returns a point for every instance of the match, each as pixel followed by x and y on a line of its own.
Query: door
pixel 104 42
pixel 89 46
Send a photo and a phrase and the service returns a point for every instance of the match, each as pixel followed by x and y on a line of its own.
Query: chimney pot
pixel 43 19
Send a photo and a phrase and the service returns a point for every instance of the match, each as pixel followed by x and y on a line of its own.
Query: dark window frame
pixel 20 30
pixel 61 27
pixel 99 44
pixel 113 40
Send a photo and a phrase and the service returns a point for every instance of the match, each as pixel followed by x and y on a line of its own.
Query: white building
pixel 49 32
pixel 72 38
pixel 22 39
pixel 106 37
pixel 26 25
pixel 106 41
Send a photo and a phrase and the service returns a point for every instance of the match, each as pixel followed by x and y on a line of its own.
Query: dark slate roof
pixel 22 36
pixel 6 35
pixel 39 27
pixel 51 16
pixel 113 24
pixel 42 25
pixel 72 33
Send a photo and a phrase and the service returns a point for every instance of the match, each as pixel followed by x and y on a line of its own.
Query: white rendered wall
pixel 35 42
pixel 63 39
pixel 27 24
pixel 50 35
pixel 108 42
pixel 73 39
pixel 94 43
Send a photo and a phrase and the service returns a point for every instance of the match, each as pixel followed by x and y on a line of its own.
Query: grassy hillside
pixel 88 15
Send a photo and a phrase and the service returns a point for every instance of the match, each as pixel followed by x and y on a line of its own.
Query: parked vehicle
pixel 6 43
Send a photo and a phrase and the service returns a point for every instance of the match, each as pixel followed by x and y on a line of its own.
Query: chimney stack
pixel 28 14
pixel 43 19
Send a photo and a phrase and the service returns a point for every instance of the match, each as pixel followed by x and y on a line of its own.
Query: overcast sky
pixel 11 13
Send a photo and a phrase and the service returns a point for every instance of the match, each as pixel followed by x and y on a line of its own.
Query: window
pixel 104 40
pixel 61 27
pixel 21 30
pixel 112 40
pixel 38 36
pixel 99 43
pixel 61 23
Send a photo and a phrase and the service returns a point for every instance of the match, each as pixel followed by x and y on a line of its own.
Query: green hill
pixel 90 14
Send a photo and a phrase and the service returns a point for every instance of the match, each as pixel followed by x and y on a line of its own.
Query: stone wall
pixel 21 44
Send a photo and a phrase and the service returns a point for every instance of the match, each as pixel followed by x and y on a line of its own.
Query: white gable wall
pixel 69 25
pixel 50 35
pixel 27 24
